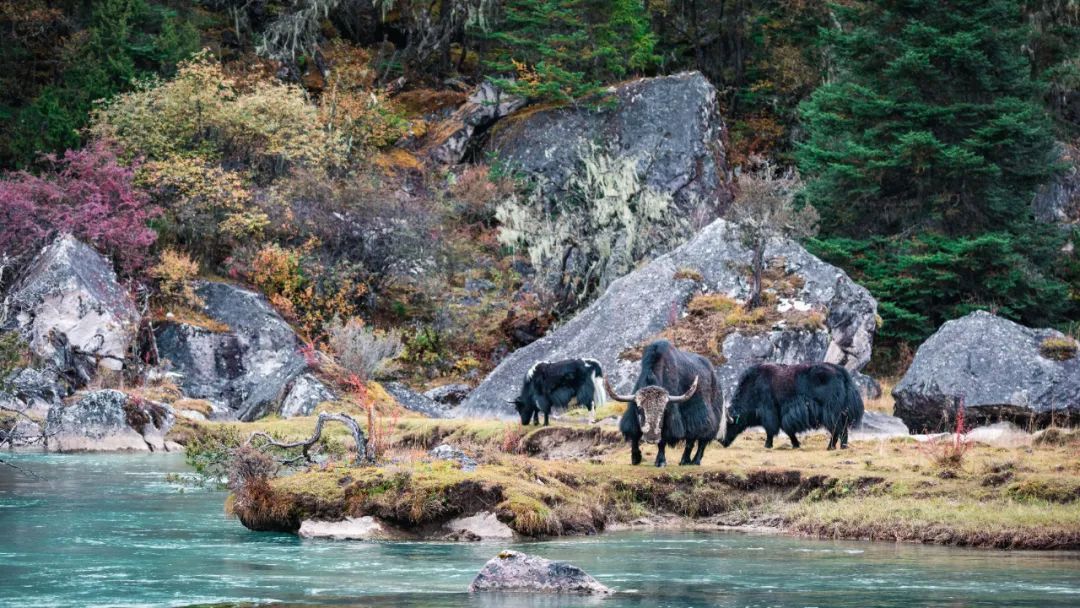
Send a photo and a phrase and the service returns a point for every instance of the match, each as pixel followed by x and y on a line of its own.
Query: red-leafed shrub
pixel 86 192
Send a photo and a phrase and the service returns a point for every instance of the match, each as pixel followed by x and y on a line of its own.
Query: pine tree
pixel 931 122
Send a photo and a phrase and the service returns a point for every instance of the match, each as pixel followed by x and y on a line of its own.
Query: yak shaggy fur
pixel 795 399
pixel 554 385
pixel 695 421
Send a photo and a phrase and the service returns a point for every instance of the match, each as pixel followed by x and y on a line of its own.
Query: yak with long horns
pixel 676 398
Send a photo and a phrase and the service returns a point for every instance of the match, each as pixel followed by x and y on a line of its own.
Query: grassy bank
pixel 573 478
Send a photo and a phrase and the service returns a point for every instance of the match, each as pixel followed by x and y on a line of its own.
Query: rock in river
pixel 641 304
pixel 997 368
pixel 518 572
pixel 109 421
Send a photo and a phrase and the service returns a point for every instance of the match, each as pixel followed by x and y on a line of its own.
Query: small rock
pixel 877 424
pixel 449 452
pixel 482 526
pixel 351 528
pixel 513 571
pixel 449 394
pixel 413 401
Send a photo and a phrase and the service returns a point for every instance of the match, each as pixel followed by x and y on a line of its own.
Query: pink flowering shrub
pixel 86 192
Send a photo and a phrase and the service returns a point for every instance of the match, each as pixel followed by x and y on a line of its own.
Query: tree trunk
pixel 759 267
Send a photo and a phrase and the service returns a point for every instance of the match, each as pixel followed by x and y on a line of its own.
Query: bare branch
pixel 362 454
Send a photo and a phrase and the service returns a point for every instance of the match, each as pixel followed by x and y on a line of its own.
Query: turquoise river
pixel 112 530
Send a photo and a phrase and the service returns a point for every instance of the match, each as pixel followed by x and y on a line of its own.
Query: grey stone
pixel 414 401
pixel 100 422
pixel 481 526
pixel 881 425
pixel 33 391
pixel 72 311
pixel 453 136
pixel 247 368
pixel 448 452
pixel 305 392
pixel 671 125
pixel 1059 200
pixel 351 528
pixel 995 367
pixel 449 394
pixel 641 304
pixel 513 571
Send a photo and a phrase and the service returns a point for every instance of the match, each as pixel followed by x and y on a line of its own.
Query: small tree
pixel 765 209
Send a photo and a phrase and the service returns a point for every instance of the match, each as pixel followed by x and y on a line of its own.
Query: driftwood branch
pixel 305 445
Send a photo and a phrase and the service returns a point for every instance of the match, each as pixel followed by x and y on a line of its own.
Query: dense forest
pixel 276 142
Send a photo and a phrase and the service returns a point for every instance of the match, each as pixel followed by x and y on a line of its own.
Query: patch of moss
pixel 1058 348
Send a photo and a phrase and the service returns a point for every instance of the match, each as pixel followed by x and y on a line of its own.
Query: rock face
pixel 512 571
pixel 452 137
pixel 413 401
pixel 72 311
pixel 671 125
pixel 108 421
pixel 1059 200
pixel 248 368
pixel 996 367
pixel 304 394
pixel 449 395
pixel 643 303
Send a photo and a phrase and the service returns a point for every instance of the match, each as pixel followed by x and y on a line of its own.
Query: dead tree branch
pixel 362 454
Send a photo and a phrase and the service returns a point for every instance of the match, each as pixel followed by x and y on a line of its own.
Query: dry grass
pixel 884 403
pixel 576 478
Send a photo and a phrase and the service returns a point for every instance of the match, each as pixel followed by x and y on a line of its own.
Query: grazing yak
pixel 795 398
pixel 549 385
pixel 656 415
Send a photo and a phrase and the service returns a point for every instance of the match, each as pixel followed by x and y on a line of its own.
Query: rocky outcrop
pixel 482 526
pixel 449 395
pixel 109 421
pixel 670 125
pixel 414 401
pixel 452 138
pixel 513 571
pixel 72 311
pixel 996 368
pixel 247 368
pixel 1059 200
pixel 641 304
pixel 303 395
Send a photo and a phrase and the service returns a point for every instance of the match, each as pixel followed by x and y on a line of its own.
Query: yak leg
pixel 686 452
pixel 843 438
pixel 833 436
pixel 661 460
pixel 793 438
pixel 768 440
pixel 536 417
pixel 635 451
pixel 546 414
pixel 700 451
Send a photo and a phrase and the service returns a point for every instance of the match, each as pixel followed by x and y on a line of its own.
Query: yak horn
pixel 614 395
pixel 687 395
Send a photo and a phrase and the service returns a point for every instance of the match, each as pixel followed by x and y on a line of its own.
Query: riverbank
pixel 573 479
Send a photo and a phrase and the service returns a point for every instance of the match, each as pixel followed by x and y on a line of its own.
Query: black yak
pixel 549 385
pixel 795 398
pixel 655 415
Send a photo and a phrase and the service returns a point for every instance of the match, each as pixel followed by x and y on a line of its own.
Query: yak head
pixel 525 406
pixel 651 404
pixel 735 422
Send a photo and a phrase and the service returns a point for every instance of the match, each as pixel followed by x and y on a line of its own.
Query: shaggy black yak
pixel 655 415
pixel 795 398
pixel 549 385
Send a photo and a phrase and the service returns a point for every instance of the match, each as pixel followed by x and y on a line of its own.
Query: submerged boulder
pixel 72 311
pixel 998 369
pixel 643 303
pixel 109 421
pixel 671 125
pixel 248 367
pixel 513 571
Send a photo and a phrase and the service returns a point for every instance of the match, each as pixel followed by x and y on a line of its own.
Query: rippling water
pixel 111 531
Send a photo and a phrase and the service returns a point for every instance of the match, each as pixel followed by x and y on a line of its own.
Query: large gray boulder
pixel 110 421
pixel 996 368
pixel 247 369
pixel 72 311
pixel 671 125
pixel 513 571
pixel 644 302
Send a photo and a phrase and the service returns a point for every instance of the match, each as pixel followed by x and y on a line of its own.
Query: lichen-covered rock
pixel 72 311
pixel 451 138
pixel 670 125
pixel 304 394
pixel 878 424
pixel 247 368
pixel 1059 200
pixel 996 367
pixel 446 451
pixel 644 302
pixel 513 571
pixel 32 391
pixel 481 526
pixel 449 394
pixel 414 401
pixel 109 421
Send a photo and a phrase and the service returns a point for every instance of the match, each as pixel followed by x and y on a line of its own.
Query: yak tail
pixel 600 395
pixel 853 401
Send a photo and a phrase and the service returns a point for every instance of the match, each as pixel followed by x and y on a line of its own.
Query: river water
pixel 110 530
